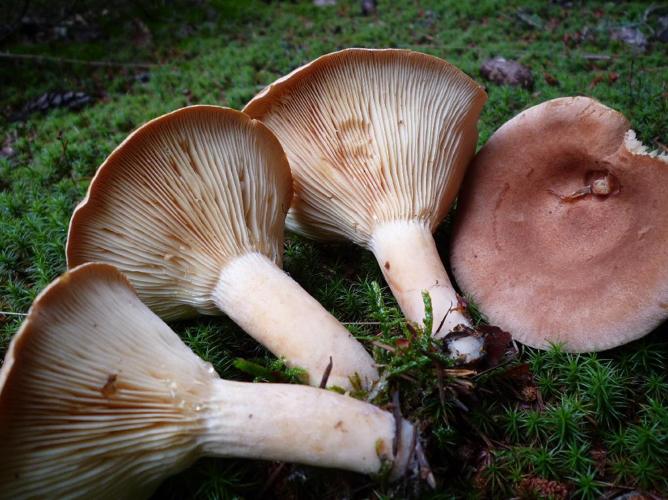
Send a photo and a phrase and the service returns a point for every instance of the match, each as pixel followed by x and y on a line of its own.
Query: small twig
pixel 480 433
pixel 383 346
pixel 653 69
pixel 361 323
pixel 491 369
pixel 325 376
pixel 408 378
pixel 661 145
pixel 271 480
pixel 459 404
pixel 441 386
pixel 425 469
pixel 440 325
pixel 459 372
pixel 398 422
pixel 67 60
pixel 6 313
pixel 539 399
pixel 596 57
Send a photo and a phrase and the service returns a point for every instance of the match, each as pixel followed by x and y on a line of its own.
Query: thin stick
pixel 383 346
pixel 396 411
pixel 423 464
pixel 440 325
pixel 272 479
pixel 6 313
pixel 596 57
pixel 325 375
pixel 67 60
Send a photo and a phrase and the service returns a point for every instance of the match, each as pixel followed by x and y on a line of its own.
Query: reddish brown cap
pixel 562 230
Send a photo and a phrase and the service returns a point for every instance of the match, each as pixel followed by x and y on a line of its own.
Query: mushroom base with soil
pixel 407 254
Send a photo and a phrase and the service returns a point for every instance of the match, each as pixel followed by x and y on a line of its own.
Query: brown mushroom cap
pixel 372 136
pixel 181 197
pixel 562 228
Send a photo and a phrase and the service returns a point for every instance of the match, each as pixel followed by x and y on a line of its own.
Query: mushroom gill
pixel 378 141
pixel 191 206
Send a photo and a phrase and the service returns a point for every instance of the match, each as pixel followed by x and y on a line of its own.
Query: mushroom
pixel 562 227
pixel 378 141
pixel 191 206
pixel 100 399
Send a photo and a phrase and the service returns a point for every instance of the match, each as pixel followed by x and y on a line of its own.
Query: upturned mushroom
pixel 100 399
pixel 191 207
pixel 378 142
pixel 562 227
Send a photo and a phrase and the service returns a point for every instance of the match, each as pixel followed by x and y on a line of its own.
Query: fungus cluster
pixel 560 237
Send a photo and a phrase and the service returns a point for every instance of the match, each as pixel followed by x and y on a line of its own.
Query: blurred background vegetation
pixel 78 76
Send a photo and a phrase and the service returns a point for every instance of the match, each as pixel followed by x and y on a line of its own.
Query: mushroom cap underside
pixel 178 199
pixel 372 136
pixel 562 227
pixel 94 400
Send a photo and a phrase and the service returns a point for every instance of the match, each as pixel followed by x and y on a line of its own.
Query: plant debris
pixel 662 33
pixel 369 7
pixel 507 72
pixel 48 101
pixel 550 79
pixel 530 19
pixel 537 487
pixel 8 150
pixel 632 37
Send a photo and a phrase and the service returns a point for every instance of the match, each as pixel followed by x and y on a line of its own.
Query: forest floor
pixel 541 424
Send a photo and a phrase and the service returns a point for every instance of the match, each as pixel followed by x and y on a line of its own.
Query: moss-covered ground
pixel 543 423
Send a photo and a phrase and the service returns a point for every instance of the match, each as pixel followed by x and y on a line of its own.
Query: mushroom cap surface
pixel 178 199
pixel 96 401
pixel 372 135
pixel 562 228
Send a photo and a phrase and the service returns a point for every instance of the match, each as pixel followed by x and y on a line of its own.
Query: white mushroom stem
pixel 270 306
pixel 303 425
pixel 407 254
pixel 101 399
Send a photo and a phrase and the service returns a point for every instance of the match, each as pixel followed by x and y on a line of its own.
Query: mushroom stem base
pixel 303 425
pixel 408 257
pixel 278 313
